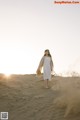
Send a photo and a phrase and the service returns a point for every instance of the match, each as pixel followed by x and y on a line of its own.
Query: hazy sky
pixel 28 27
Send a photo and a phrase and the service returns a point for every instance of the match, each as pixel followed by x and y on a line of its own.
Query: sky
pixel 28 27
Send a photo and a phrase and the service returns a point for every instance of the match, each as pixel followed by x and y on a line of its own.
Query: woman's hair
pixel 48 53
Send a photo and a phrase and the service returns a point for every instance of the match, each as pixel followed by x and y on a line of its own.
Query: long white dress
pixel 47 68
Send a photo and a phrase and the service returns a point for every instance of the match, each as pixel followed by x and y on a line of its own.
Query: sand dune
pixel 25 98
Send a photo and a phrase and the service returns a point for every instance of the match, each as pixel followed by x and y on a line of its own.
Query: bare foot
pixel 46 87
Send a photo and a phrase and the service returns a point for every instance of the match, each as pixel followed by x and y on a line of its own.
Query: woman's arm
pixel 52 65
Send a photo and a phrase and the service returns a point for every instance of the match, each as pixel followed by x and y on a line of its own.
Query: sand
pixel 25 98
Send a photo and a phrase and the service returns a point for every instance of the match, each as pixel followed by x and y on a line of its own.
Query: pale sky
pixel 28 27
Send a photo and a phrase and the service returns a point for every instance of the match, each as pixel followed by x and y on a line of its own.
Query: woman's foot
pixel 47 87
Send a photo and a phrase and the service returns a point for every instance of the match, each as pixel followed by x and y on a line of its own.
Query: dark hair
pixel 48 53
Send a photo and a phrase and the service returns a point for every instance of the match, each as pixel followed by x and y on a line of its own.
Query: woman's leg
pixel 46 83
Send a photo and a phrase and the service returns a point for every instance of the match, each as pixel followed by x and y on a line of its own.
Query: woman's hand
pixel 38 72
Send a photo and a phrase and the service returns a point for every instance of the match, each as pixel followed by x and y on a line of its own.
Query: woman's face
pixel 46 52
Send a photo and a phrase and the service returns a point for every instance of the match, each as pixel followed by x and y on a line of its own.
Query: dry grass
pixel 69 97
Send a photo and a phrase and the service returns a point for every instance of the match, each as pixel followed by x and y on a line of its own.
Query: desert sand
pixel 25 98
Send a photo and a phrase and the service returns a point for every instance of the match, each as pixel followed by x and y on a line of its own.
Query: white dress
pixel 47 68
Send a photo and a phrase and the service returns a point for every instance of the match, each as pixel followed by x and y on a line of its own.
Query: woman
pixel 47 64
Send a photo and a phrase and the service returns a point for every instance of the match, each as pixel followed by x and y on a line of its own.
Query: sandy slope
pixel 25 98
